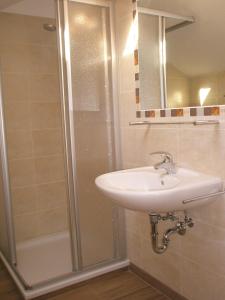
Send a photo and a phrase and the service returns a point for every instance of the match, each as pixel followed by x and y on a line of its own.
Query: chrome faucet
pixel 167 163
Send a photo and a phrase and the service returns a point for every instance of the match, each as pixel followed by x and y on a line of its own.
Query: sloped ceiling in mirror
pixel 39 8
pixel 7 3
pixel 204 43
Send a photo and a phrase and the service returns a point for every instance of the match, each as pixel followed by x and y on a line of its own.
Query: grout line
pixel 39 184
pixel 60 154
pixel 42 210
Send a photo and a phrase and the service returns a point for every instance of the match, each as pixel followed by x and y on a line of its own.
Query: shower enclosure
pixel 58 131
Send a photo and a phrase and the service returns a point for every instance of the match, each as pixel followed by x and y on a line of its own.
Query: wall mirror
pixel 181 53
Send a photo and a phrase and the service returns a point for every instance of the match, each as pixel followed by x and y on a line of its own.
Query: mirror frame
pixel 163 112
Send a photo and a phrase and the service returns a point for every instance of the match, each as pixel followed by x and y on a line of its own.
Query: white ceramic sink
pixel 147 189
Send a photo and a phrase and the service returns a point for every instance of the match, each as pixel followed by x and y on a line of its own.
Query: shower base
pixel 44 258
pixel 47 258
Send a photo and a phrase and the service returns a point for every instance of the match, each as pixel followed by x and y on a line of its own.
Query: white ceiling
pixel 39 8
pixel 198 48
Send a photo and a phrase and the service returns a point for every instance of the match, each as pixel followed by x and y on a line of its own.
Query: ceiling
pixel 6 3
pixel 199 48
pixel 39 8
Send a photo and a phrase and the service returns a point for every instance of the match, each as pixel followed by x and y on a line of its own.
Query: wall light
pixel 203 93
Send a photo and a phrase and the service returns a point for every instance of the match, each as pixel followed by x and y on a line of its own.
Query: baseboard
pixel 156 283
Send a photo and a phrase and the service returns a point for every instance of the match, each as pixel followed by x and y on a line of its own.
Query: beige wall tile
pixel 15 58
pixel 192 152
pixel 15 86
pixel 17 115
pixel 127 108
pixel 197 283
pixel 52 221
pixel 24 200
pixel 52 195
pixel 133 247
pixel 22 172
pixel 45 115
pixel 218 287
pixel 29 58
pixel 47 142
pixel 26 227
pixel 166 267
pixel 206 213
pixel 42 59
pixel 201 246
pixel 49 169
pixel 44 88
pixel 19 143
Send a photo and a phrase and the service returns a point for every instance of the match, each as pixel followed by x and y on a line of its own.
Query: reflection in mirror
pixel 195 65
pixel 149 61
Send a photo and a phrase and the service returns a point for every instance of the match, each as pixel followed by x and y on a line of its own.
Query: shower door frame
pixel 6 184
pixel 69 120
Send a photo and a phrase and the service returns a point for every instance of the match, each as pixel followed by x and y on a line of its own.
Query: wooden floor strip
pixel 119 285
pixel 147 293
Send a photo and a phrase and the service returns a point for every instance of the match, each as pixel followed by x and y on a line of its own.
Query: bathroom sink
pixel 150 190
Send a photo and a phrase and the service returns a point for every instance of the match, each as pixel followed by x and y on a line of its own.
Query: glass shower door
pixel 92 112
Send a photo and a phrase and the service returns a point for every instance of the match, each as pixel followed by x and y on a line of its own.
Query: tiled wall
pixel 29 70
pixel 194 264
pixel 216 82
pixel 178 87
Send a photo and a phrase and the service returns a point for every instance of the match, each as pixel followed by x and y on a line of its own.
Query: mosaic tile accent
pixel 193 112
pixel 138 114
pixel 162 113
pixel 136 57
pixel 136 76
pixel 211 111
pixel 150 114
pixel 174 112
pixel 179 112
pixel 137 95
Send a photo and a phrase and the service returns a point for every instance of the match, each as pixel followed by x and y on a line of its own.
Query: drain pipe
pixel 159 249
pixel 179 228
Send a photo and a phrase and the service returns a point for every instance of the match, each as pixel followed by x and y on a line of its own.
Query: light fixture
pixel 203 94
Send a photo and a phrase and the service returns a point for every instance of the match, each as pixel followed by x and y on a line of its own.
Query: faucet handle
pixel 166 155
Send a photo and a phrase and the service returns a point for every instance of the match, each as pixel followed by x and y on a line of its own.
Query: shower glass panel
pixel 35 140
pixel 4 243
pixel 90 51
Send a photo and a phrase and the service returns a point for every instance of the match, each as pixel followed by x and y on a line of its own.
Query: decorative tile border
pixel 180 112
pixel 162 113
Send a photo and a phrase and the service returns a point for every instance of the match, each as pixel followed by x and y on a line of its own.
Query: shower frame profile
pixel 79 272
